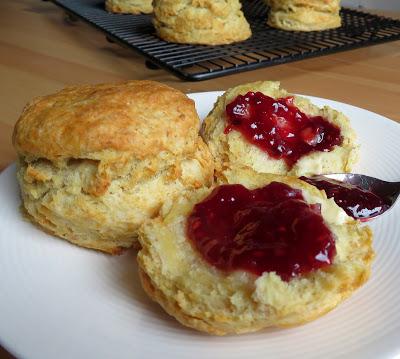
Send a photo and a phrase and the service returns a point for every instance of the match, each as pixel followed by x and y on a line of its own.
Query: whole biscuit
pixel 210 22
pixel 129 6
pixel 95 162
pixel 304 15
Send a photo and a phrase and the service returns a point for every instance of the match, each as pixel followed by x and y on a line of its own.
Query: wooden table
pixel 40 53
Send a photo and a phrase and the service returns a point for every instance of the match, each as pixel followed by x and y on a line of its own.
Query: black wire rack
pixel 266 47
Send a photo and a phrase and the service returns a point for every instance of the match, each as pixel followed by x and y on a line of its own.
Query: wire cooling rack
pixel 266 47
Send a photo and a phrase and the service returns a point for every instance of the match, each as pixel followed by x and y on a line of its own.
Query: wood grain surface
pixel 41 52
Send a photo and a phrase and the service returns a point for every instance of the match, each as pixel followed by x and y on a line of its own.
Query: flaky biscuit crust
pixel 202 297
pixel 129 6
pixel 233 152
pixel 210 22
pixel 141 118
pixel 95 162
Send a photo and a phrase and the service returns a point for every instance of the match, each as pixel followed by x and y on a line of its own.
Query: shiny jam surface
pixel 269 229
pixel 279 128
pixel 356 202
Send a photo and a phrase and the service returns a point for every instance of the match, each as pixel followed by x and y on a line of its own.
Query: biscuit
pixel 233 152
pixel 209 22
pixel 304 15
pixel 97 161
pixel 202 297
pixel 129 6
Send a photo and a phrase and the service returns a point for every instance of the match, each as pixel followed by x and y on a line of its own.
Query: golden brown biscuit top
pixel 141 118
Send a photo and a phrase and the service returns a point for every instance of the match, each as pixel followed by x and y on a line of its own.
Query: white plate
pixel 60 301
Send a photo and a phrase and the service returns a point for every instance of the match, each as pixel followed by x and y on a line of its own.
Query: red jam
pixel 269 229
pixel 357 203
pixel 279 128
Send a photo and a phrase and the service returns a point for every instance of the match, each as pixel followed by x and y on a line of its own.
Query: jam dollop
pixel 279 128
pixel 269 229
pixel 357 202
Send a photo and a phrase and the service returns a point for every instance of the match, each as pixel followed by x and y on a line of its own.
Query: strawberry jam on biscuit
pixel 279 128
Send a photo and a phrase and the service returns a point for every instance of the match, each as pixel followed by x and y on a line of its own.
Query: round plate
pixel 61 301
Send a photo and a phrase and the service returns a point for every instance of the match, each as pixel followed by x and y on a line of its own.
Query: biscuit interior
pixel 202 297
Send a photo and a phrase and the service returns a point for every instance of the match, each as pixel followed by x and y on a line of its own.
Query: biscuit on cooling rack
pixel 304 15
pixel 129 6
pixel 209 22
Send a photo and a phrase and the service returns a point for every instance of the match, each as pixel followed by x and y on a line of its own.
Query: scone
pixel 129 6
pixel 272 253
pixel 304 15
pixel 96 161
pixel 262 127
pixel 209 22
